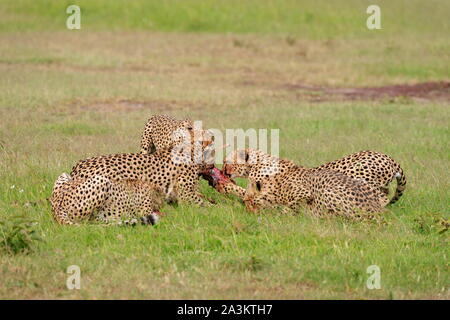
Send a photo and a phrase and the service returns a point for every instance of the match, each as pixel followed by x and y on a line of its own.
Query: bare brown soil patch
pixel 420 91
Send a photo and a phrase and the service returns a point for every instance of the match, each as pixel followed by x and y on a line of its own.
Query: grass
pixel 313 19
pixel 65 96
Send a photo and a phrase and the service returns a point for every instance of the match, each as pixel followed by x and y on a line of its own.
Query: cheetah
pixel 323 193
pixel 104 200
pixel 274 181
pixel 159 132
pixel 255 165
pixel 180 166
pixel 163 131
pixel 375 168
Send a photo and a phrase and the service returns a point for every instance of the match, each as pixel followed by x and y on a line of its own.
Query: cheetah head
pixel 186 123
pixel 250 162
pixel 238 164
pixel 189 135
pixel 198 153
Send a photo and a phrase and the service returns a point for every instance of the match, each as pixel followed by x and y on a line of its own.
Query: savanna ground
pixel 68 95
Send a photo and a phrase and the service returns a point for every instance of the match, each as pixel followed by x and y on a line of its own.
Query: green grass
pixel 307 18
pixel 224 252
pixel 69 95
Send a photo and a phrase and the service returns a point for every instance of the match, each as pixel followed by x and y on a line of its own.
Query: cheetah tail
pixel 401 185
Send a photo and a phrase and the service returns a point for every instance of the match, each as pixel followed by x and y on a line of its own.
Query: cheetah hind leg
pixel 287 210
pixel 104 221
pixel 383 196
pixel 291 208
pixel 315 210
pixel 151 218
pixel 106 217
pixel 148 219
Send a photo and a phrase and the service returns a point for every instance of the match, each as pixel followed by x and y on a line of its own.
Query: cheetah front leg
pixel 252 189
pixel 64 219
pixel 149 206
pixel 255 203
pixel 231 188
pixel 383 195
pixel 194 197
pixel 291 208
pixel 287 210
pixel 189 194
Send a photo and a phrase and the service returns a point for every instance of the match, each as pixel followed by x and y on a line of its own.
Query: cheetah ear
pixel 209 154
pixel 211 134
pixel 242 156
pixel 189 124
